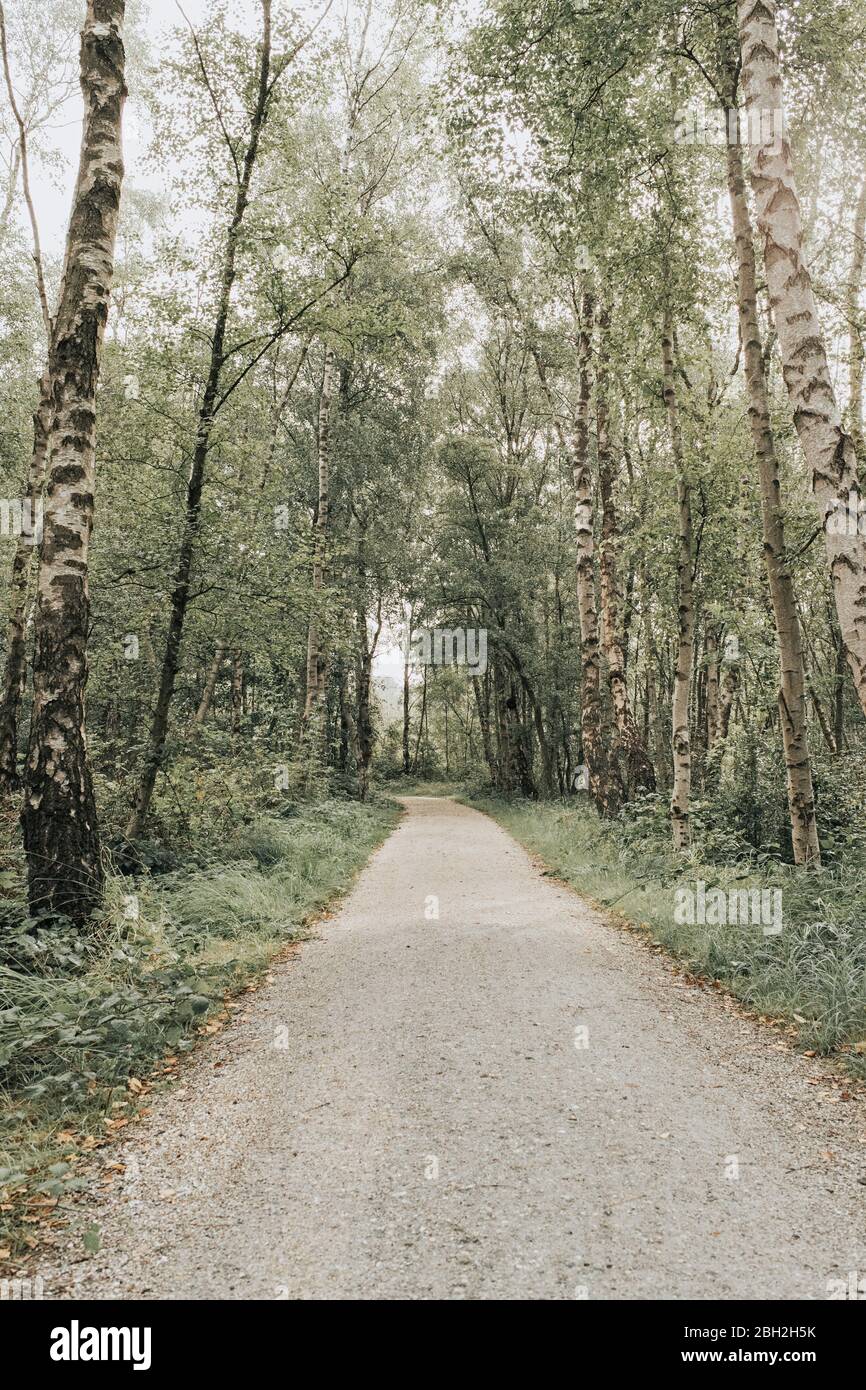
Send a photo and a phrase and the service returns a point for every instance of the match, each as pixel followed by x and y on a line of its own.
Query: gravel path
pixel 431 1130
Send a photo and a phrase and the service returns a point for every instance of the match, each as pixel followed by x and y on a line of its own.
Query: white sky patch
pixel 52 189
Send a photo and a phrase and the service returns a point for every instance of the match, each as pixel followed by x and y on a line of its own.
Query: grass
pixel 90 1030
pixel 812 974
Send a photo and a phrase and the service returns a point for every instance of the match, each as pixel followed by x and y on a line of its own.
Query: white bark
pixel 829 451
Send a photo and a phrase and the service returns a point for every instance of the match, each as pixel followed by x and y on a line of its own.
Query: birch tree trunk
pixel 727 697
pixel 195 483
pixel 364 733
pixel 482 702
pixel 839 691
pixel 315 691
pixel 421 720
pixel 680 741
pixel 855 326
pixel 792 694
pixel 603 789
pixel 364 737
pixel 712 651
pixel 237 690
pixel 729 686
pixel 207 694
pixel 829 452
pixel 61 834
pixel 636 767
pixel 406 728
pixel 658 743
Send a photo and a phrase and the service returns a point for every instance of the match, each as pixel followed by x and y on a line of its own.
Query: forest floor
pixel 470 1084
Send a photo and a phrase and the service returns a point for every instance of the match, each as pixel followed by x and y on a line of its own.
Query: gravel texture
pixel 430 1129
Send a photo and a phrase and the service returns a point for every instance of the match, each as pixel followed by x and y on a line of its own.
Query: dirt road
pixel 412 1109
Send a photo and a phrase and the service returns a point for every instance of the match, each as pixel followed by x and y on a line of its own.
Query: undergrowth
pixel 91 1024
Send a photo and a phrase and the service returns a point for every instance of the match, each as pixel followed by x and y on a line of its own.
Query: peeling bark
pixel 792 692
pixel 61 833
pixel 828 450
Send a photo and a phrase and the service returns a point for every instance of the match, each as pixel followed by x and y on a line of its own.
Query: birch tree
pixel 792 693
pixel 602 786
pixel 316 664
pixel 61 833
pixel 680 738
pixel 631 754
pixel 829 452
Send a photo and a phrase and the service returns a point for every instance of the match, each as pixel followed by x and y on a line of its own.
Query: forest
pixel 406 396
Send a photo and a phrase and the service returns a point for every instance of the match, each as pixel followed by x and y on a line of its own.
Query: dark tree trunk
pixel 237 690
pixel 483 702
pixel 195 483
pixel 207 694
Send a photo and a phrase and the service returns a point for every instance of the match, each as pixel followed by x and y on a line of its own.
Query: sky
pixel 52 189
